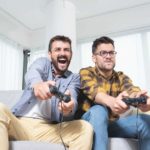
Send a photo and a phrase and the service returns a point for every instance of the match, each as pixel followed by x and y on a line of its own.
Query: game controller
pixel 135 101
pixel 60 95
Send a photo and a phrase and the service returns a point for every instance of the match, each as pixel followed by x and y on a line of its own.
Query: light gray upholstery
pixel 31 145
pixel 123 144
pixel 10 97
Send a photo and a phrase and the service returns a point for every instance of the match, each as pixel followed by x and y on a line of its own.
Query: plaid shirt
pixel 93 82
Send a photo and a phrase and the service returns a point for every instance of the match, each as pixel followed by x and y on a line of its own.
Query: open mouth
pixel 62 60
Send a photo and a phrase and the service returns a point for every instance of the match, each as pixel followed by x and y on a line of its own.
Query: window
pixel 130 58
pixel 36 53
pixel 11 65
pixel 86 55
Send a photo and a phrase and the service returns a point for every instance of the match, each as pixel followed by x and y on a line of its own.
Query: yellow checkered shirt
pixel 93 82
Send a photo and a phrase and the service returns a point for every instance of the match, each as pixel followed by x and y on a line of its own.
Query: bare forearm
pixel 104 99
pixel 115 104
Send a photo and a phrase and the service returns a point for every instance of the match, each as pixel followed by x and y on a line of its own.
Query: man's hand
pixel 66 107
pixel 117 105
pixel 41 90
pixel 144 107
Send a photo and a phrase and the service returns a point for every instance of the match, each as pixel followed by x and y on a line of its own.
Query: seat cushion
pixel 123 144
pixel 10 98
pixel 32 145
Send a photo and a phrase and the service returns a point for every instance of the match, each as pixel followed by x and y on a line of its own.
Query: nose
pixel 62 52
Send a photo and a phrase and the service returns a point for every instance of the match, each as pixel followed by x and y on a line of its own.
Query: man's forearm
pixel 104 99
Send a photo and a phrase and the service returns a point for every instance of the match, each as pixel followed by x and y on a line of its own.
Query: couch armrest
pixel 10 98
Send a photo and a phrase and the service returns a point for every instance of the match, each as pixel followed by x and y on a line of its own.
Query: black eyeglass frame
pixel 104 53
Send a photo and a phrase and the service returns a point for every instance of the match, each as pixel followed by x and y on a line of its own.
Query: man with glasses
pixel 105 89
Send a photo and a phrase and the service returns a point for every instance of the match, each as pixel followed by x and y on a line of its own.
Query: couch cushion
pixel 10 97
pixel 123 144
pixel 115 144
pixel 32 145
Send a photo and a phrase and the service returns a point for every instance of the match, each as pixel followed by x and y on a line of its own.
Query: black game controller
pixel 60 95
pixel 135 101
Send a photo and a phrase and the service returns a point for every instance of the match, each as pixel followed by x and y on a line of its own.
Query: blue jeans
pixel 128 127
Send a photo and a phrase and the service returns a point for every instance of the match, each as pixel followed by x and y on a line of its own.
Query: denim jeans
pixel 128 127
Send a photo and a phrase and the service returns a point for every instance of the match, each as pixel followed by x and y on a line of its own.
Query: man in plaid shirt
pixel 105 88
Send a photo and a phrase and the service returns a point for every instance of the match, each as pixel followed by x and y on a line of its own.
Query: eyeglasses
pixel 105 53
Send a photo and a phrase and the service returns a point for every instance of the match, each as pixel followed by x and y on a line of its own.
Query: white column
pixel 61 20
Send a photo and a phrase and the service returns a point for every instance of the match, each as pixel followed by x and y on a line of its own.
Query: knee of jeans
pixel 96 113
pixel 143 123
pixel 99 110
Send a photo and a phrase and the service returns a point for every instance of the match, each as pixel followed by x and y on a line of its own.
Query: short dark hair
pixel 101 40
pixel 59 38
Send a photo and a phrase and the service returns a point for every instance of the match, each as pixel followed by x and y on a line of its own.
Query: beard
pixel 61 64
pixel 105 68
pixel 108 68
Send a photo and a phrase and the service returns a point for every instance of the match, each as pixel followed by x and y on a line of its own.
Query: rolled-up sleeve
pixel 36 72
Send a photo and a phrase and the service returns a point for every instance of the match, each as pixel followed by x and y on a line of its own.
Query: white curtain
pixel 130 58
pixel 147 59
pixel 36 53
pixel 11 65
pixel 86 55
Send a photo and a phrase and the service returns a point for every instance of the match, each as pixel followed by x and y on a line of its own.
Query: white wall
pixel 14 30
pixel 114 22
pixel 127 20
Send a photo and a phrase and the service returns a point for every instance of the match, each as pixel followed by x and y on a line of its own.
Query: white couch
pixel 10 97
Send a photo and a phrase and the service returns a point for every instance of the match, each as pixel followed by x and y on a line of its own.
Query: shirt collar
pixel 66 74
pixel 113 76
